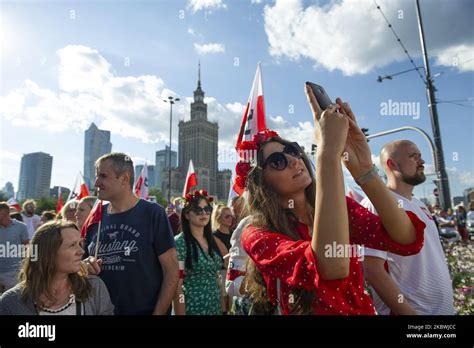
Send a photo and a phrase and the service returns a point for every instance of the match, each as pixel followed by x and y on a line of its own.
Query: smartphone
pixel 321 96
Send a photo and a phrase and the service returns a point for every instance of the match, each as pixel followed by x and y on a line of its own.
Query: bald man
pixel 408 285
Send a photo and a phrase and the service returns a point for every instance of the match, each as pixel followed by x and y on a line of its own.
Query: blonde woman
pixel 68 211
pixel 84 207
pixel 222 221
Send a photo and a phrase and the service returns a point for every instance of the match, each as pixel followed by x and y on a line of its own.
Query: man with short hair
pixel 13 235
pixel 417 284
pixel 137 253
pixel 31 220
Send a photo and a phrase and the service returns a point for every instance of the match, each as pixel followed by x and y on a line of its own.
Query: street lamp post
pixel 170 100
pixel 443 184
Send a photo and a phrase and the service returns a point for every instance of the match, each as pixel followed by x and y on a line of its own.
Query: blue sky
pixel 65 64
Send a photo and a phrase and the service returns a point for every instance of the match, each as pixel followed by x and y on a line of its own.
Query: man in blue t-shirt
pixel 136 252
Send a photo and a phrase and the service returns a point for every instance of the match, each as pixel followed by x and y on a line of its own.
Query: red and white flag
pixel 59 206
pixel 95 216
pixel 80 192
pixel 141 186
pixel 14 204
pixel 354 194
pixel 191 179
pixel 253 121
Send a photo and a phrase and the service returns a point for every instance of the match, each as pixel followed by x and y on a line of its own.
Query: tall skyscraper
pixel 198 140
pixel 151 176
pixel 161 166
pixel 96 143
pixel 8 190
pixel 35 175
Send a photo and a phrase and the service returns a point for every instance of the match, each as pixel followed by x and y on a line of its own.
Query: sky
pixel 65 64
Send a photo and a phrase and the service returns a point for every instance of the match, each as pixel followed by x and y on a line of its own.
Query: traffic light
pixel 366 132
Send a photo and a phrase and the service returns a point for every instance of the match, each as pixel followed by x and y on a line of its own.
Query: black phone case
pixel 321 96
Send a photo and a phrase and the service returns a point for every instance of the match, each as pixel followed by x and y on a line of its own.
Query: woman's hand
pixel 357 157
pixel 330 127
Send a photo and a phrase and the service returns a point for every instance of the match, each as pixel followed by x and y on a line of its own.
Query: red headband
pixel 248 154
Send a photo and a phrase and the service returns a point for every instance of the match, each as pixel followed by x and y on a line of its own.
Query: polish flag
pixel 13 203
pixel 95 216
pixel 253 121
pixel 81 192
pixel 191 179
pixel 354 194
pixel 59 206
pixel 141 186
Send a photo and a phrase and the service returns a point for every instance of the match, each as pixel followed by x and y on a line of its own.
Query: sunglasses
pixel 278 160
pixel 201 211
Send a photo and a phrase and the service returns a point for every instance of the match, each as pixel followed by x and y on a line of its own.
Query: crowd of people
pixel 292 243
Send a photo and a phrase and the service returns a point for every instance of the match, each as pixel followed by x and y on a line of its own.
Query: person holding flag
pixel 129 242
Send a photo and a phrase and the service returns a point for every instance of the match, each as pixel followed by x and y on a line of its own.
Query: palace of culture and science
pixel 198 141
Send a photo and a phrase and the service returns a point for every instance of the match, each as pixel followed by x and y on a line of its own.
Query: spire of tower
pixel 199 74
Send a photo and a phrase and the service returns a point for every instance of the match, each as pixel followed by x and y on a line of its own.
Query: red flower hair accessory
pixel 248 155
pixel 198 194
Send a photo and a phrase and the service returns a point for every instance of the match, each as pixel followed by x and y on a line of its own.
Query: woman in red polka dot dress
pixel 303 228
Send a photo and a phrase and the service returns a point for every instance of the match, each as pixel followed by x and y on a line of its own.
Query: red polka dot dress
pixel 294 263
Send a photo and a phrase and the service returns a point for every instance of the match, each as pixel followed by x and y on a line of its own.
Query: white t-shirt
pixel 470 215
pixel 423 278
pixel 237 261
pixel 32 224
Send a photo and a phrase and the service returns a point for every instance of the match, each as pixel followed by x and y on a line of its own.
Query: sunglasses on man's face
pixel 278 160
pixel 201 211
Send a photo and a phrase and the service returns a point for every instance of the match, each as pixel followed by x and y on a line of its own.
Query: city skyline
pixel 56 82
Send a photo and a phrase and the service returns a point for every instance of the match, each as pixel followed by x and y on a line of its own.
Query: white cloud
pixel 459 57
pixel 137 160
pixel 209 48
pixel 352 36
pixel 303 132
pixel 191 31
pixel 466 178
pixel 9 156
pixel 129 106
pixel 82 69
pixel 254 2
pixel 208 5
